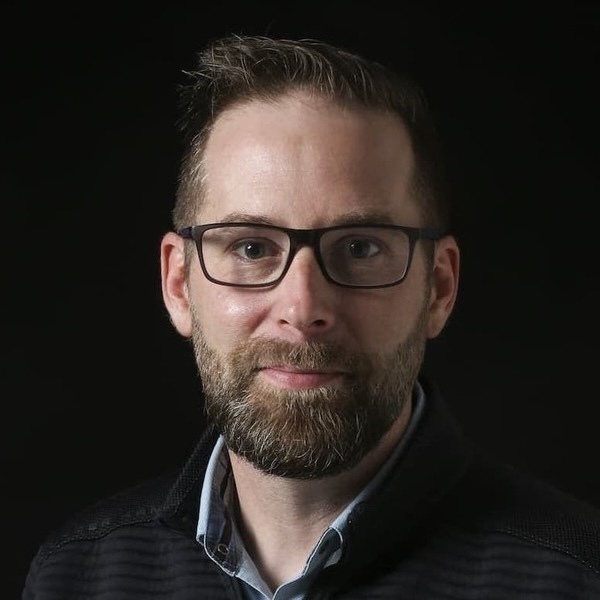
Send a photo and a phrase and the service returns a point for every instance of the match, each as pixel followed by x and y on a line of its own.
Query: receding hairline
pixel 312 100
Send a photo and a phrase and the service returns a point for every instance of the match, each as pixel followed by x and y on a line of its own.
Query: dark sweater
pixel 448 523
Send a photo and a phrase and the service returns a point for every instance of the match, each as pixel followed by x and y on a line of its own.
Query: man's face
pixel 304 378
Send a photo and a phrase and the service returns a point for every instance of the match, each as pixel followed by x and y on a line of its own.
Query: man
pixel 309 264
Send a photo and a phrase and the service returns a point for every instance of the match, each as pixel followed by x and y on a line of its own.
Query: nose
pixel 305 301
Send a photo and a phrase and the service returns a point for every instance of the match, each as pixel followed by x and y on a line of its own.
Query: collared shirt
pixel 222 541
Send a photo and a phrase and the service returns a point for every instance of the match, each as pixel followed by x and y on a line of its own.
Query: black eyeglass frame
pixel 309 237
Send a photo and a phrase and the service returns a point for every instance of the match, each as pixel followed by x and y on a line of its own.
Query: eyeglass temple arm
pixel 431 234
pixel 185 233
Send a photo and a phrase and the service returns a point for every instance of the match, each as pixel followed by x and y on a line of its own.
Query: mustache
pixel 259 353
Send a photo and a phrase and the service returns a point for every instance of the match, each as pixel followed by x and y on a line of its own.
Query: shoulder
pixel 164 503
pixel 127 545
pixel 497 504
pixel 116 541
pixel 498 498
pixel 131 506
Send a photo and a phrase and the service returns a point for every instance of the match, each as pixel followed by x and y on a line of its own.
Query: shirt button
pixel 222 549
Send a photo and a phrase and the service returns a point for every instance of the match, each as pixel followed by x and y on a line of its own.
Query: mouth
pixel 296 378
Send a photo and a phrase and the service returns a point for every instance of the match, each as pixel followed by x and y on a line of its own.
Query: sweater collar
pixel 432 462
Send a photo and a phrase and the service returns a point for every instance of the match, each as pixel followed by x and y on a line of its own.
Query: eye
pixel 362 248
pixel 254 249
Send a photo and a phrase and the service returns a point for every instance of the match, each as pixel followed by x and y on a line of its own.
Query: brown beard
pixel 313 432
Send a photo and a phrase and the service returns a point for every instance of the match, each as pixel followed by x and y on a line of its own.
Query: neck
pixel 281 519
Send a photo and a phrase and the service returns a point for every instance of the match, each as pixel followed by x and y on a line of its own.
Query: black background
pixel 100 392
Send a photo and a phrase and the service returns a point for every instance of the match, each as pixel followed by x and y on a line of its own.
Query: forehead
pixel 303 161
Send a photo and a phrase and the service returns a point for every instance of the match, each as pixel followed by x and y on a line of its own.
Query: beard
pixel 312 432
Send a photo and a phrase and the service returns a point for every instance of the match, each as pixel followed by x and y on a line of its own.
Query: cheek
pixel 376 323
pixel 384 320
pixel 227 315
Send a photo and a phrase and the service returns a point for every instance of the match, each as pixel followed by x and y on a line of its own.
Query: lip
pixel 297 378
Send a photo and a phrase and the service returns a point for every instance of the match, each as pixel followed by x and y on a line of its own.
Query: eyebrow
pixel 238 217
pixel 350 218
pixel 364 218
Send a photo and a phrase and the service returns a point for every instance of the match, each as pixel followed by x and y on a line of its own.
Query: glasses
pixel 256 255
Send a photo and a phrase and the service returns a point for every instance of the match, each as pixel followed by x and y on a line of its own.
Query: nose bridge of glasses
pixel 304 237
pixel 300 238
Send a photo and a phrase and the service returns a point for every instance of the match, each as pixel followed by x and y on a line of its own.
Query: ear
pixel 446 263
pixel 174 282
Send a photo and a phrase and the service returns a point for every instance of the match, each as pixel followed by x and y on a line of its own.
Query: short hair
pixel 237 69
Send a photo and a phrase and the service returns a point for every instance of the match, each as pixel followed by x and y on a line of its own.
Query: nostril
pixel 304 324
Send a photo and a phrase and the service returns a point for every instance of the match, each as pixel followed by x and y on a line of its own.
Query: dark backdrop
pixel 99 390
